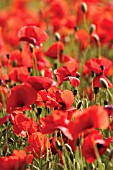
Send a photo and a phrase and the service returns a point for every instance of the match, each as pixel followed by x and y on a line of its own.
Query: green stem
pixel 35 68
pixel 110 94
pixel 99 50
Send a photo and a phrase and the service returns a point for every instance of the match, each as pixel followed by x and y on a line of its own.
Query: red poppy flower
pixel 57 120
pixel 56 99
pixel 81 36
pixel 93 117
pixel 32 34
pixel 23 126
pixel 55 50
pixel 48 72
pixel 109 109
pixel 39 83
pixel 104 30
pixel 16 56
pixel 68 72
pixel 17 160
pixel 54 147
pixel 42 62
pixel 38 144
pixel 4 119
pixel 18 74
pixel 92 139
pixel 21 97
pixel 70 21
pixel 2 43
pixel 66 58
pixel 27 60
pixel 58 9
pixel 98 66
pixel 67 97
pixel 97 82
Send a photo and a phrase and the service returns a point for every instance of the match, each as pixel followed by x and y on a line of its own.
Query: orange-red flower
pixel 57 120
pixel 23 126
pixel 18 160
pixel 32 34
pixel 38 144
pixel 55 50
pixel 92 117
pixel 92 140
pixel 21 97
pixel 68 72
pixel 39 83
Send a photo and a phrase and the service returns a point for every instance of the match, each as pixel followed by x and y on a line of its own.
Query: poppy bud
pixel 11 141
pixel 103 83
pixel 29 69
pixel 31 48
pixel 59 166
pixel 92 28
pixel 96 37
pixel 79 105
pixel 84 7
pixel 58 145
pixel 68 148
pixel 57 36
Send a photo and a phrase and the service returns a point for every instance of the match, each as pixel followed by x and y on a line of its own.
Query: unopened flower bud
pixel 59 166
pixel 92 28
pixel 58 145
pixel 96 37
pixel 68 147
pixel 57 36
pixel 79 105
pixel 84 7
pixel 103 83
pixel 31 48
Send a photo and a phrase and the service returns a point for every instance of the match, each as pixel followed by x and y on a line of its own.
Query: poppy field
pixel 56 85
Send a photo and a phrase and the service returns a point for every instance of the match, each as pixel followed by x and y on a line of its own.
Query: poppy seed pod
pixel 92 28
pixel 84 7
pixel 103 83
pixel 96 37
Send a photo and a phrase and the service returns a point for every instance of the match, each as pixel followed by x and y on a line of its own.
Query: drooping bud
pixel 84 7
pixel 92 28
pixel 57 36
pixel 96 37
pixel 79 105
pixel 103 83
